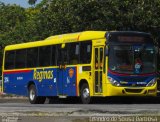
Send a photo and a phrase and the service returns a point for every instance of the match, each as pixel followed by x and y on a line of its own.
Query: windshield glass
pixel 132 59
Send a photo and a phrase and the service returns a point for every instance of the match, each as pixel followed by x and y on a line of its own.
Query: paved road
pixel 24 111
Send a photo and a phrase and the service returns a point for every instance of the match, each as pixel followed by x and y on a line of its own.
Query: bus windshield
pixel 131 59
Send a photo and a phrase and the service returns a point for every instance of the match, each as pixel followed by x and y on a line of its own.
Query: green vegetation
pixel 52 17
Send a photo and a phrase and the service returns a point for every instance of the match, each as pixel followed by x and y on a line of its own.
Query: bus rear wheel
pixel 85 94
pixel 33 98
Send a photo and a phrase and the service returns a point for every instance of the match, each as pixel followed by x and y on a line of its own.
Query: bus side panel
pixel 66 81
pixel 16 82
pixel 71 81
pixel 46 79
pixel 55 81
pixel 9 84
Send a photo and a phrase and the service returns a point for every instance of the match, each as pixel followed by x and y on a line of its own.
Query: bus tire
pixel 33 98
pixel 85 94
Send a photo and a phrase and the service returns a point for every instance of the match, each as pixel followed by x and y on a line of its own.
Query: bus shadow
pixel 127 100
pixel 107 100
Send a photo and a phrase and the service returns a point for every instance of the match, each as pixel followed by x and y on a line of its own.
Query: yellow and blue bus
pixel 84 64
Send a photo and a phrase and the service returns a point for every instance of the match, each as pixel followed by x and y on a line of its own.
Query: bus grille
pixel 134 90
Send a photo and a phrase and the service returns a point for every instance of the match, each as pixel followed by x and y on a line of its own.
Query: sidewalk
pixel 5 98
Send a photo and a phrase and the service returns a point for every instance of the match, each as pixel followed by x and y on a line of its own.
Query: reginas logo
pixel 42 74
pixel 71 73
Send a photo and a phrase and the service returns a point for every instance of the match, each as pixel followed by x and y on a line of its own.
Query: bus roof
pixel 59 39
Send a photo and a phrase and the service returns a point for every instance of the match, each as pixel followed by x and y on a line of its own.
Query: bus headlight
pixel 152 82
pixel 113 81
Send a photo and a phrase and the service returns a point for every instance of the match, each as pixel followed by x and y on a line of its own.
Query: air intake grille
pixel 134 90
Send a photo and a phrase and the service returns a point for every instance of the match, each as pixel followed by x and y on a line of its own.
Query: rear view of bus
pixel 131 64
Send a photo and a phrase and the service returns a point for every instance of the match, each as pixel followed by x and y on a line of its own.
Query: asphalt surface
pixel 20 110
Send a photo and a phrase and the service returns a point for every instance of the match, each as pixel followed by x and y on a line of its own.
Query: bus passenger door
pixel 98 69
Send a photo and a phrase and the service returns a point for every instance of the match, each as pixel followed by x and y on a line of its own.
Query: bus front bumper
pixel 131 91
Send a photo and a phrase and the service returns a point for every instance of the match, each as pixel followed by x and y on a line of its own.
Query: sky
pixel 23 3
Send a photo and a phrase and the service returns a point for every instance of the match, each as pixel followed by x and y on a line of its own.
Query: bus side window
pixel 59 55
pixel 44 56
pixel 85 52
pixel 62 55
pixel 20 60
pixel 32 57
pixel 9 60
pixel 73 51
pixel 54 53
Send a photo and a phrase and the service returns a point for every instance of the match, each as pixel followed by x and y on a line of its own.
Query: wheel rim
pixel 86 93
pixel 32 95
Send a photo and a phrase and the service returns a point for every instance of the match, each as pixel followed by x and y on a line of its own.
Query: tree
pixel 11 17
pixel 32 2
pixel 52 17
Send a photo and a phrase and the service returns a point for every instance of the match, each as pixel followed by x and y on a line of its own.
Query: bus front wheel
pixel 33 98
pixel 85 94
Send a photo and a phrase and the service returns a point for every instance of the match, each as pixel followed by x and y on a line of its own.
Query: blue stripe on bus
pixel 48 81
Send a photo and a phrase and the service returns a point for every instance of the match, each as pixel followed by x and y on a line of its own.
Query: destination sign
pixel 129 37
